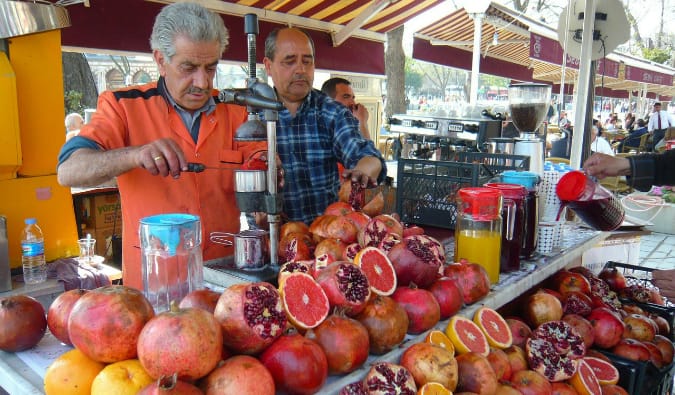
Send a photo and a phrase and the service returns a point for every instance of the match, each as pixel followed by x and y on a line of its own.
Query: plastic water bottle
pixel 33 256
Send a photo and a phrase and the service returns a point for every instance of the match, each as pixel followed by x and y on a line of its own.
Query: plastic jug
pixel 171 255
pixel 478 228
pixel 513 224
pixel 529 180
pixel 594 204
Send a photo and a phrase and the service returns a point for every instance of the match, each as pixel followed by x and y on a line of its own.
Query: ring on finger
pixel 156 158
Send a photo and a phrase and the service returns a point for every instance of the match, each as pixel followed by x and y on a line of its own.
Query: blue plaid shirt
pixel 310 145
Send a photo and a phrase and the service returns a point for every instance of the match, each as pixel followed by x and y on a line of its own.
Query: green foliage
pixel 72 101
pixel 413 78
pixel 657 55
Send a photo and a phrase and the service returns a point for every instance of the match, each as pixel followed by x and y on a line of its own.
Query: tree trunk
pixel 77 77
pixel 394 61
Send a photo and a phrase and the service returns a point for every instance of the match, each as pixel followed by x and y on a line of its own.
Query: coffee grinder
pixel 528 105
pixel 256 190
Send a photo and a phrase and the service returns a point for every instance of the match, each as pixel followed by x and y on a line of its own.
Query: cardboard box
pixel 103 211
pixel 103 238
pixel 621 247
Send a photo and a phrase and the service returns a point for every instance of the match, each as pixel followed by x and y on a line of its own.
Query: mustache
pixel 193 90
pixel 303 79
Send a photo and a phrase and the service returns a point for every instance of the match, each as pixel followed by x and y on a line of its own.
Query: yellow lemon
pixel 121 378
pixel 71 374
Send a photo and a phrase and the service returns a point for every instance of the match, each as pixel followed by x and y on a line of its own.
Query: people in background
pixel 599 143
pixel 659 122
pixel 341 90
pixel 629 122
pixel 564 122
pixel 146 135
pixel 74 122
pixel 634 136
pixel 314 132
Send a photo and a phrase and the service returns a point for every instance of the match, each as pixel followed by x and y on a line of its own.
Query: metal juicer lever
pixel 194 167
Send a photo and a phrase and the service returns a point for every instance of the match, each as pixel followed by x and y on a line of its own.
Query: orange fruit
pixel 605 372
pixel 438 338
pixel 71 374
pixel 378 269
pixel 121 378
pixel 304 301
pixel 494 326
pixel 584 380
pixel 432 388
pixel 467 336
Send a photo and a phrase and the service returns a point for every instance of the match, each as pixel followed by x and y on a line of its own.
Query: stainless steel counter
pixel 22 373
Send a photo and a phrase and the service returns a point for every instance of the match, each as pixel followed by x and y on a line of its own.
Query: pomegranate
pixel 344 341
pixel 667 348
pixel 377 228
pixel 471 278
pixel 241 374
pixel 341 228
pixel 661 323
pixel 633 309
pixel 318 227
pixel 427 362
pixel 251 316
pixel 105 322
pixel 420 305
pixel 410 230
pixel 59 311
pixel 520 331
pixel 531 382
pixel 386 322
pixel 388 241
pixel 359 219
pixel 614 278
pixel 355 388
pixel 23 323
pixel 607 327
pixel 338 209
pixel 298 365
pixel 506 388
pixel 500 364
pixel 575 302
pixel 552 350
pixel 192 349
pixel 542 307
pixel 293 227
pixel 639 327
pixel 170 385
pixel 346 286
pixel 475 374
pixel 386 378
pixel 415 261
pixel 295 247
pixel 204 299
pixel 356 194
pixel 448 295
pixel 655 355
pixel 631 349
pixel 375 205
pixel 517 358
pixel 613 389
pixel 334 248
pixel 562 389
pixel 350 252
pixel 603 296
pixel 583 328
pixel 305 266
pixel 567 281
pixel 584 271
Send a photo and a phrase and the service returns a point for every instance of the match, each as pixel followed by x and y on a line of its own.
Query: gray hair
pixel 191 20
pixel 72 118
pixel 271 41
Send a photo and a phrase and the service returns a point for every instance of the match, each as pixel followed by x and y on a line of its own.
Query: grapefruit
pixel 71 373
pixel 605 372
pixel 440 339
pixel 584 380
pixel 304 301
pixel 378 269
pixel 433 388
pixel 467 336
pixel 494 326
pixel 121 378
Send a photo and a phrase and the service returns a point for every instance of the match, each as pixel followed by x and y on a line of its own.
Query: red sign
pixel 550 51
pixel 648 76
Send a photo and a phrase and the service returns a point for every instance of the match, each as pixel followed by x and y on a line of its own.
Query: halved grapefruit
pixel 304 301
pixel 378 269
pixel 467 336
pixel 584 380
pixel 605 372
pixel 438 338
pixel 433 388
pixel 494 326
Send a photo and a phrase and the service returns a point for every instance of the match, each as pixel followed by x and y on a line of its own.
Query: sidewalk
pixel 657 250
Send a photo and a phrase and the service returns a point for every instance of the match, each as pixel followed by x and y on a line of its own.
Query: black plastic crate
pixel 425 190
pixel 642 378
pixel 639 275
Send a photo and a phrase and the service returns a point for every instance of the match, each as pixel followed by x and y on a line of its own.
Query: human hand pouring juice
pixel 594 204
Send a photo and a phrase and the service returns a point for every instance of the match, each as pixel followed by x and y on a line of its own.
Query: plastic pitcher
pixel 594 204
pixel 478 228
pixel 171 255
pixel 513 224
pixel 529 180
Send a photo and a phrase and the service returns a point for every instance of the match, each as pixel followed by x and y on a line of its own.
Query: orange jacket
pixel 139 115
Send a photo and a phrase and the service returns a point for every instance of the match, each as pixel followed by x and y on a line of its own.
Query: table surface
pixel 23 372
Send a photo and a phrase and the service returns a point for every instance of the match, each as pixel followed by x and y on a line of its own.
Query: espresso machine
pixel 255 190
pixel 528 105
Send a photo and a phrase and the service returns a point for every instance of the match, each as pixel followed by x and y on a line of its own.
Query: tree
pixel 394 60
pixel 438 76
pixel 413 78
pixel 79 86
pixel 657 55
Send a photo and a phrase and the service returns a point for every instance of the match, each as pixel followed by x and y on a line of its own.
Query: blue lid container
pixel 527 179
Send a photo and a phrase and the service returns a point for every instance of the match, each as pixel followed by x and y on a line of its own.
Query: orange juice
pixel 481 247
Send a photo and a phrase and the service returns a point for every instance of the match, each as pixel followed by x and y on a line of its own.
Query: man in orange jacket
pixel 146 135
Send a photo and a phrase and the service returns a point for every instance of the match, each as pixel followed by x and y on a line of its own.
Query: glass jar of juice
pixel 478 229
pixel 513 224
